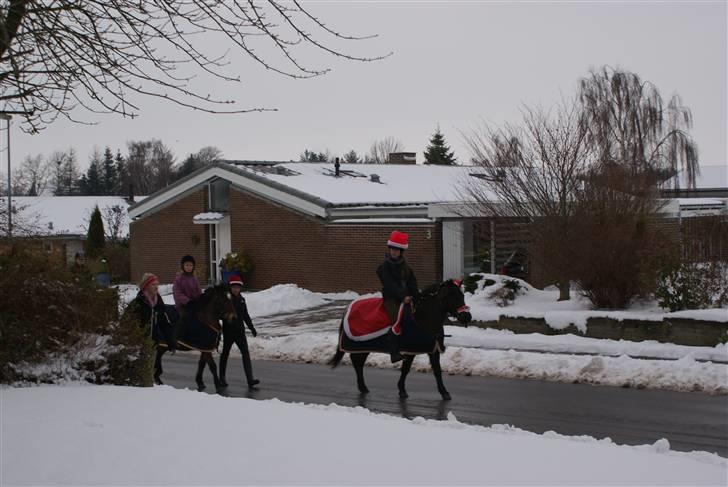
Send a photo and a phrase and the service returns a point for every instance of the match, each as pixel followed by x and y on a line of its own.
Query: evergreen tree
pixel 67 177
pixel 110 174
pixel 438 152
pixel 351 157
pixel 122 175
pixel 312 156
pixel 92 184
pixel 95 237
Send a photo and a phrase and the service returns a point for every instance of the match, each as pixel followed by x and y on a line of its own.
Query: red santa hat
pixel 235 280
pixel 398 240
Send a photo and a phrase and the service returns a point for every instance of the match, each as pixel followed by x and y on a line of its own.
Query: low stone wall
pixel 680 331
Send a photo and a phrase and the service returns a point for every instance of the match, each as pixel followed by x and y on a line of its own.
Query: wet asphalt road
pixel 690 421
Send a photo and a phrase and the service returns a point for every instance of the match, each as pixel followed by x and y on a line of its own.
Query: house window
pixel 219 195
pixel 476 246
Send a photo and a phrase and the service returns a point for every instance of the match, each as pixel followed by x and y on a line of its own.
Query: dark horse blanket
pixel 193 334
pixel 366 318
pixel 413 339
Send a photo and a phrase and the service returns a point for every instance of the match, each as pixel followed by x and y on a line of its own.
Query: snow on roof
pixel 66 215
pixel 398 183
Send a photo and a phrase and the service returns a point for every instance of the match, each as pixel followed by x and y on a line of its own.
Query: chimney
pixel 336 167
pixel 402 158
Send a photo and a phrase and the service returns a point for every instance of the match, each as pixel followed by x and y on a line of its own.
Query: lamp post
pixel 7 115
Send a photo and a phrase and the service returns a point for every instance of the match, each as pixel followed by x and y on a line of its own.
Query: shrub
pixel 237 261
pixel 692 286
pixel 470 283
pixel 507 293
pixel 49 313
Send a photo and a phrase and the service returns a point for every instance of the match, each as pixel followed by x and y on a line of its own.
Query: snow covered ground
pixel 106 435
pixel 501 353
pixel 536 303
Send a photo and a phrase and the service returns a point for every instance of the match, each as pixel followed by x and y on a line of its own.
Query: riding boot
pixel 393 343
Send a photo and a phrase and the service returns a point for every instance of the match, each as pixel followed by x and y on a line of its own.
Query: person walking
pixel 233 332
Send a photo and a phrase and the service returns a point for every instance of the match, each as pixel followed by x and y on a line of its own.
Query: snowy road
pixel 690 421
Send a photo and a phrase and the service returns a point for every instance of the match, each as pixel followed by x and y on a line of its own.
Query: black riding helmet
pixel 187 258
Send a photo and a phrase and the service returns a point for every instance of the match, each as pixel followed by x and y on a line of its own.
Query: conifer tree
pixel 110 174
pixel 438 152
pixel 95 237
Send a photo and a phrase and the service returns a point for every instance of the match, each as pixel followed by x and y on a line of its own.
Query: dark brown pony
pixel 200 329
pixel 424 334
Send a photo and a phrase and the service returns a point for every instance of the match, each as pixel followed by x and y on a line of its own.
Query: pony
pixel 200 330
pixel 422 333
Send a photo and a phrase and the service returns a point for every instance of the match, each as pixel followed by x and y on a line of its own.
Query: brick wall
pixel 159 240
pixel 290 247
pixel 286 246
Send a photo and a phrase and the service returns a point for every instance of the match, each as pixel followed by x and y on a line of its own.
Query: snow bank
pixel 105 435
pixel 283 298
pixel 685 374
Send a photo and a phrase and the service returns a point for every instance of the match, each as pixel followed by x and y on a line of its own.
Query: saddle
pixel 366 319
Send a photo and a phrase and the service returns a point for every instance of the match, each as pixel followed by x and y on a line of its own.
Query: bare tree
pixel 102 54
pixel 115 219
pixel 532 172
pixel 66 172
pixel 629 124
pixel 149 166
pixel 33 176
pixel 203 157
pixel 380 150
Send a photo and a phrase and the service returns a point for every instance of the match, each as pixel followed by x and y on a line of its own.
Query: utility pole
pixel 7 115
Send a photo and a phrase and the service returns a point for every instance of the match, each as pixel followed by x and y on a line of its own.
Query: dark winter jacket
pixel 186 288
pixel 155 321
pixel 398 281
pixel 232 329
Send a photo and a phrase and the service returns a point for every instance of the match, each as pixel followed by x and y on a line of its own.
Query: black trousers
pixel 242 343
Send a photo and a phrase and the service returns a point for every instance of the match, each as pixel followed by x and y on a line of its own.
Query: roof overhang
pixel 237 178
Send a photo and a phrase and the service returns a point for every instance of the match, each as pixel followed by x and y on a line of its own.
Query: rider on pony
pixel 186 287
pixel 399 285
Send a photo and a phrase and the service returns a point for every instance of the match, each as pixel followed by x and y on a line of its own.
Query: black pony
pixel 423 334
pixel 200 329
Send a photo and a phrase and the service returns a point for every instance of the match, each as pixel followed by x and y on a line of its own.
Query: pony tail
pixel 336 359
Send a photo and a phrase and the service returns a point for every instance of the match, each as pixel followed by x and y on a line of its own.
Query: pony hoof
pixel 201 386
pixel 446 396
pixel 363 390
pixel 403 395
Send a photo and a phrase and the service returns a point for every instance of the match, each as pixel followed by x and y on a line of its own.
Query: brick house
pixel 302 222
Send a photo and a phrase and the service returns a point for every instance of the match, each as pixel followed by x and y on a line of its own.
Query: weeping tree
pixel 531 171
pixel 103 55
pixel 630 125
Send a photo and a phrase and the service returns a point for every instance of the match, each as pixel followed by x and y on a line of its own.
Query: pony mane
pixel 207 296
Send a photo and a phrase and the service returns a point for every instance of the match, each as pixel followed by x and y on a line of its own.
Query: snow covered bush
pixel 507 292
pixel 693 286
pixel 55 324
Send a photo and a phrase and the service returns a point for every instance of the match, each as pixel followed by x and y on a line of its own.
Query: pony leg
pixel 406 366
pixel 158 365
pixel 200 369
pixel 357 360
pixel 213 368
pixel 437 371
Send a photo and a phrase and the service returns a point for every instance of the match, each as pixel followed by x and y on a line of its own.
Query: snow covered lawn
pixel 106 435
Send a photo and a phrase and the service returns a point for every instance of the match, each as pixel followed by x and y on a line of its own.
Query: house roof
pixel 368 190
pixel 65 215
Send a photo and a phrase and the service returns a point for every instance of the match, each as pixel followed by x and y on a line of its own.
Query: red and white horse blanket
pixel 366 318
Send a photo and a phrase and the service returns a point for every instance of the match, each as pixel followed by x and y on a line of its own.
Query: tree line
pixel 147 166
pixel 437 152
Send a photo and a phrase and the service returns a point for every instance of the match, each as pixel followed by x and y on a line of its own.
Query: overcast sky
pixel 454 64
